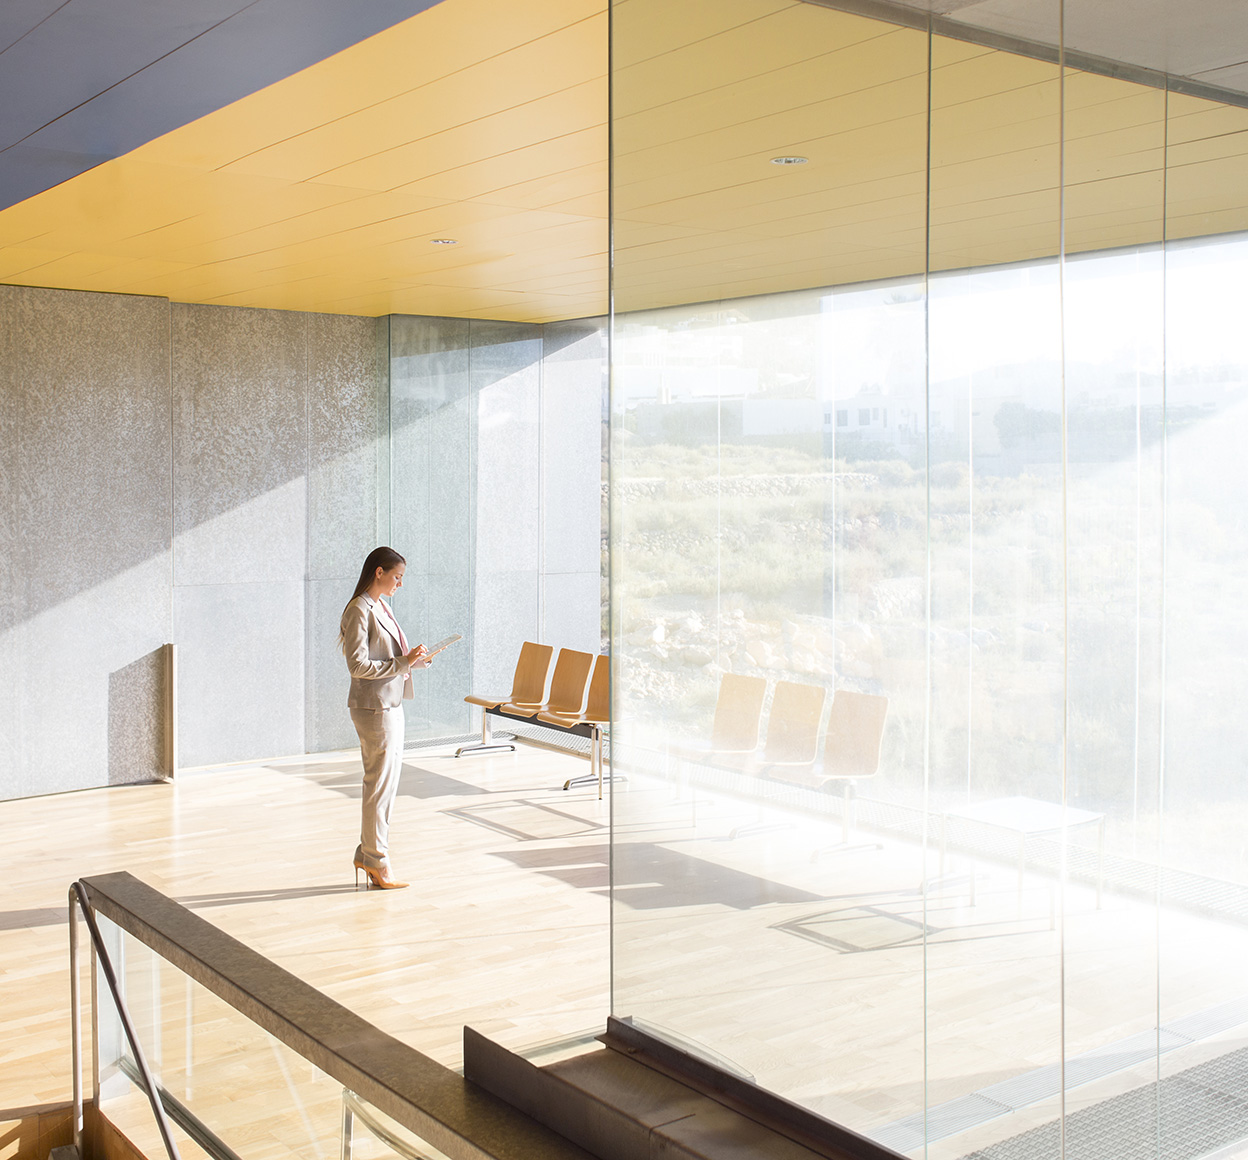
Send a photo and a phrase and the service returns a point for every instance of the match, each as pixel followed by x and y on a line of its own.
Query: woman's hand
pixel 419 657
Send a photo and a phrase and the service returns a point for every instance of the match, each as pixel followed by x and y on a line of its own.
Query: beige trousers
pixel 381 748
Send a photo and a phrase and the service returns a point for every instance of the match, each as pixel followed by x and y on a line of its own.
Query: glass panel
pixel 997 639
pixel 257 1096
pixel 496 475
pixel 372 1135
pixel 1204 880
pixel 230 1087
pixel 1020 523
pixel 465 419
pixel 768 546
pixel 1114 296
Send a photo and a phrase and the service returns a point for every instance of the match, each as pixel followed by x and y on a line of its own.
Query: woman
pixel 380 665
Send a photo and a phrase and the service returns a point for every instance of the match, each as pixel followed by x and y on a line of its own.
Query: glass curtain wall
pixel 495 494
pixel 928 575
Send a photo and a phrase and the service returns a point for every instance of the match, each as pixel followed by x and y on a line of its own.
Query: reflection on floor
pixel 1045 1083
pixel 1182 1117
pixel 654 876
pixel 900 995
pixel 837 980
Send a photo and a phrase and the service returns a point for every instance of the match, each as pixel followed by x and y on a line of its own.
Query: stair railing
pixel 78 901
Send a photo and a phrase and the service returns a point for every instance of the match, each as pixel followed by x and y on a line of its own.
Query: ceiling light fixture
pixel 444 242
pixel 789 160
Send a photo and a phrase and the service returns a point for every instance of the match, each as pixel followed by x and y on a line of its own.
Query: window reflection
pixel 994 484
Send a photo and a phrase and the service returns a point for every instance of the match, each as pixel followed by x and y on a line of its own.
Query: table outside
pixel 1028 818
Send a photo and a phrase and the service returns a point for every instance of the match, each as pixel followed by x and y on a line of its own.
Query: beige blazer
pixel 375 658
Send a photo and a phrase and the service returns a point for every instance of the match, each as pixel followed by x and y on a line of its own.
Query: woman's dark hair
pixel 383 558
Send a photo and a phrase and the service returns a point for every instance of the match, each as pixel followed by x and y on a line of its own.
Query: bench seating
pixel 564 708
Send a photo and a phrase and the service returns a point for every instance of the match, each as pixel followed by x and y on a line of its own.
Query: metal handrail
pixel 78 898
pixel 431 1101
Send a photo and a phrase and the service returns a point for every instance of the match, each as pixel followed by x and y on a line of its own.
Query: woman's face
pixel 389 582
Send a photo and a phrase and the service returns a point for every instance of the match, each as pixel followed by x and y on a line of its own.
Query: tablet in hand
pixel 446 641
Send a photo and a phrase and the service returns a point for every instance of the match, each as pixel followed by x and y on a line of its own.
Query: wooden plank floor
pixel 810 973
pixel 264 852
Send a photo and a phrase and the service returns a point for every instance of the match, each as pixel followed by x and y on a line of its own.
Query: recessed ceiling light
pixel 444 242
pixel 789 160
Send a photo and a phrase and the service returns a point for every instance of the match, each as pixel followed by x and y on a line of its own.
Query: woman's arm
pixel 355 648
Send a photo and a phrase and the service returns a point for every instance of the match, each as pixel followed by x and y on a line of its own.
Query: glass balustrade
pixel 230 1089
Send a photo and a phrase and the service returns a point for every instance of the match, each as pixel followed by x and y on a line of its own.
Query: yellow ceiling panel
pixel 761 252
pixel 802 94
pixel 195 241
pixel 1206 149
pixel 763 217
pixel 685 23
pixel 834 176
pixel 794 33
pixel 34 267
pixel 419 53
pixel 578 206
pixel 485 121
pixel 556 117
pixel 739 266
pixel 133 271
pixel 1198 192
pixel 977 128
pixel 1092 160
pixel 1193 119
pixel 490 177
pixel 891 117
pixel 577 191
pixel 992 77
pixel 1101 198
pixel 516 83
pixel 126 198
pixel 18 262
pixel 472 118
pixel 338 236
pixel 751 205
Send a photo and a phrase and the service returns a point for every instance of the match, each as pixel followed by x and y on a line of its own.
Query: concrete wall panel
pixel 240 444
pixel 241 670
pixel 214 476
pixel 88 585
pixel 506 616
pixel 571 610
pixel 11 678
pixel 507 378
pixel 448 608
pixel 346 441
pixel 430 437
pixel 241 450
pixel 328 724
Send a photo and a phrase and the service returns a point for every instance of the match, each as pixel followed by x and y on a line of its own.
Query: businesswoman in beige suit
pixel 380 664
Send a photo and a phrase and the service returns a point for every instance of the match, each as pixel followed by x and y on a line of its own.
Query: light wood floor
pixel 810 973
pixel 264 852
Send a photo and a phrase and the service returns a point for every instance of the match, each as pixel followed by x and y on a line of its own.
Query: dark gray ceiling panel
pixel 94 79
pixel 18 17
pixel 87 47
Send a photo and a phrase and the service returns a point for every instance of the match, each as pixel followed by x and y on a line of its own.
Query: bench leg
pixel 594 776
pixel 845 846
pixel 487 743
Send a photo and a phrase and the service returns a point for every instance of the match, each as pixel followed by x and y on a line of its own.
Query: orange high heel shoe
pixel 376 877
